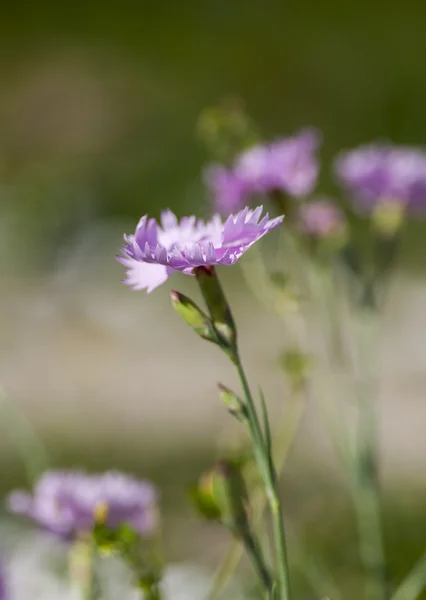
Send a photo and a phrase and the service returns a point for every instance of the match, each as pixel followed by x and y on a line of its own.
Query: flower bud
pixel 193 316
pixel 233 403
pixel 221 495
pixel 229 491
pixel 297 366
pixel 323 227
pixel 226 129
pixel 388 217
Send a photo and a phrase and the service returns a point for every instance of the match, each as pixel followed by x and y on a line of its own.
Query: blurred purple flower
pixel 288 165
pixel 68 502
pixel 3 583
pixel 228 189
pixel 153 253
pixel 321 219
pixel 377 173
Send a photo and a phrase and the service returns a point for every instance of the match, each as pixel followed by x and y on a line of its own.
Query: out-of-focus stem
pixel 365 485
pixel 24 437
pixel 255 553
pixel 270 479
pixel 82 569
pixel 153 593
pixel 284 441
pixel 414 583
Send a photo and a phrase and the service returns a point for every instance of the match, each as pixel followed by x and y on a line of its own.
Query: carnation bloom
pixel 288 165
pixel 321 219
pixel 70 502
pixel 154 252
pixel 383 173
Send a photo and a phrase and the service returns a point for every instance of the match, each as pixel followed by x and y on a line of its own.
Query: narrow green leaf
pixel 266 426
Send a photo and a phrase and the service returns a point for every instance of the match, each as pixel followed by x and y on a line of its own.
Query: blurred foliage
pixel 99 103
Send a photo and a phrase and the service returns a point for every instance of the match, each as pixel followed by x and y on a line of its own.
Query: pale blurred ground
pixel 98 368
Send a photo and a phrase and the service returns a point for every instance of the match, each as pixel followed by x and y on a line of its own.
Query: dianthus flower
pixel 288 165
pixel 68 503
pixel 383 173
pixel 154 252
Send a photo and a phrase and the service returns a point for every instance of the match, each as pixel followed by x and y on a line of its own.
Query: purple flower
pixel 154 252
pixel 377 173
pixel 144 274
pixel 321 219
pixel 288 165
pixel 69 502
pixel 3 584
pixel 229 190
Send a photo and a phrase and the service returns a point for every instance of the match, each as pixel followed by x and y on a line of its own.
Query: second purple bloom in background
pixel 288 165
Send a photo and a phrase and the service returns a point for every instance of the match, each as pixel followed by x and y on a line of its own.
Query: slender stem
pixel 280 542
pixel 270 480
pixel 89 587
pixel 287 433
pixel 254 425
pixel 24 436
pixel 367 504
pixel 256 556
pixel 414 583
pixel 226 569
pixel 318 576
pixel 82 569
pixel 224 326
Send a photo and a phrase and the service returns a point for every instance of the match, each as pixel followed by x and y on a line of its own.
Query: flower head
pixel 377 173
pixel 70 502
pixel 288 165
pixel 154 252
pixel 321 219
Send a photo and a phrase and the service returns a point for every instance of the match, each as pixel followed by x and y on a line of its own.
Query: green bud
pixel 233 403
pixel 330 244
pixel 220 312
pixel 193 316
pixel 297 366
pixel 203 500
pixel 226 129
pixel 285 296
pixel 230 494
pixel 221 495
pixel 387 217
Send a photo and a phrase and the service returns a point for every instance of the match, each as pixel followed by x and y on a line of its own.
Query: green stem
pixel 89 587
pixel 414 583
pixel 83 569
pixel 226 332
pixel 280 542
pixel 270 480
pixel 153 593
pixel 253 421
pixel 255 553
pixel 366 491
pixel 288 429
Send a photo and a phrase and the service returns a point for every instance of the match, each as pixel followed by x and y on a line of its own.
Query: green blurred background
pixel 98 108
pixel 99 102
